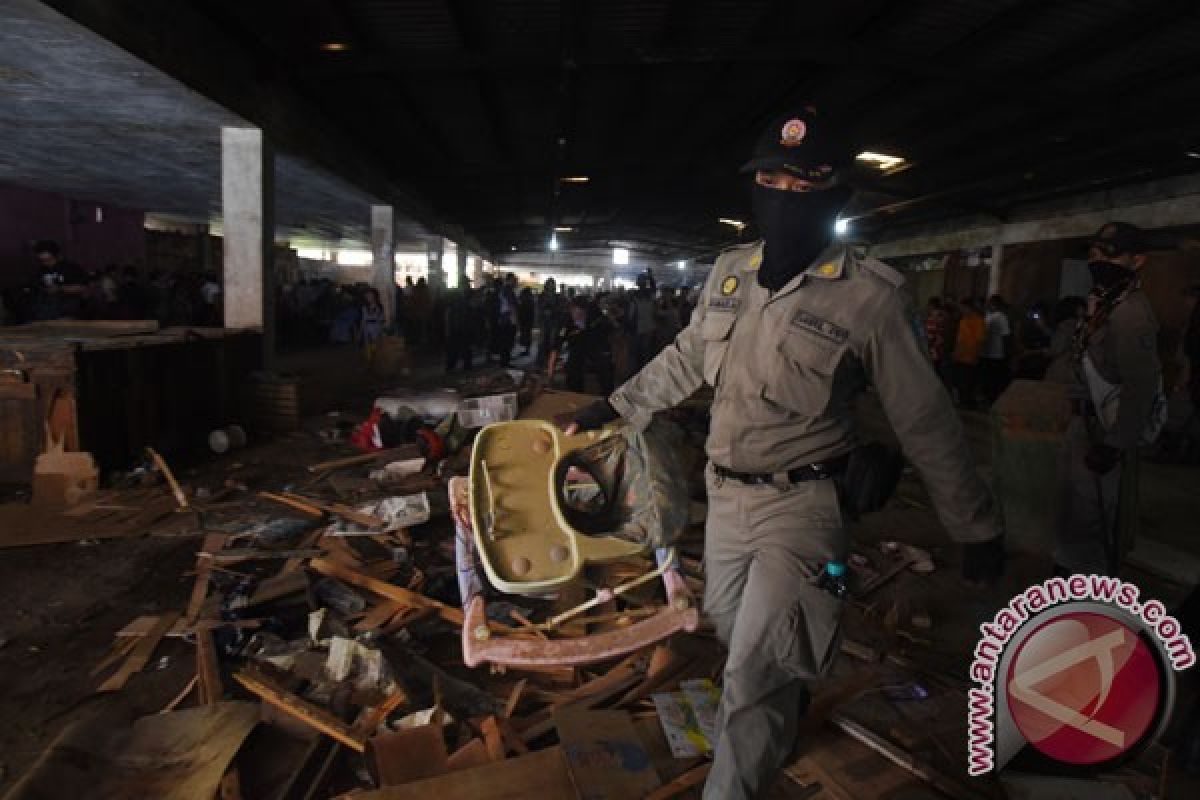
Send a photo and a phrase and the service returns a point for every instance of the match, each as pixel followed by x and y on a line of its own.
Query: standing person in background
pixel 642 322
pixel 460 329
pixel 506 318
pixel 936 323
pixel 967 345
pixel 1117 407
pixel 371 323
pixel 420 306
pixel 586 340
pixel 62 284
pixel 549 315
pixel 526 312
pixel 997 347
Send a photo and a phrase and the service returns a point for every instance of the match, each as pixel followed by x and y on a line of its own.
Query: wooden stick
pixel 371 720
pixel 180 498
pixel 693 777
pixel 267 690
pixel 142 651
pixel 208 670
pixel 365 458
pixel 171 706
pixel 306 508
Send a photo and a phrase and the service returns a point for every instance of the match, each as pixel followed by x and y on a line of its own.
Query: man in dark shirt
pixel 61 286
pixel 586 339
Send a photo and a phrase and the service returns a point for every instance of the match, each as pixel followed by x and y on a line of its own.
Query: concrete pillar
pixel 383 253
pixel 463 255
pixel 436 251
pixel 994 268
pixel 248 215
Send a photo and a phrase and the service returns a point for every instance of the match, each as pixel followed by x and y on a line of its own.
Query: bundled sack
pixel 630 485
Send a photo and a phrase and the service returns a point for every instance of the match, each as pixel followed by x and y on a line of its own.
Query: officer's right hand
pixel 591 417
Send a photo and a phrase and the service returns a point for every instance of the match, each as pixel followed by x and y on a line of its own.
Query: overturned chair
pixel 539 506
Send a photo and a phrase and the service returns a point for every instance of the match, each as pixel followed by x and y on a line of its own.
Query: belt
pixel 817 471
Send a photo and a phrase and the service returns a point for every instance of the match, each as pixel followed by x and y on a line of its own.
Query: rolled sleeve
pixel 928 426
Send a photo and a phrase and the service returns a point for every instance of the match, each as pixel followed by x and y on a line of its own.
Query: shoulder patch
pixel 882 271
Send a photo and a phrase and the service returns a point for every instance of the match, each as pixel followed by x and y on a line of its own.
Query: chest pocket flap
pixel 715 330
pixel 803 378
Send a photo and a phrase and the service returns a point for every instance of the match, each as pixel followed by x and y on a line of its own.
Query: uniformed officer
pixel 1117 403
pixel 787 331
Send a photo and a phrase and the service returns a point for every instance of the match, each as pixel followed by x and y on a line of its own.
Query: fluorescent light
pixel 563 228
pixel 335 47
pixel 881 161
pixel 733 223
pixel 681 264
pixel 554 241
pixel 575 179
pixel 1192 153
pixel 514 247
pixel 620 256
pixel 840 226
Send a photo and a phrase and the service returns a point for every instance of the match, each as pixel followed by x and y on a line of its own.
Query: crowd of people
pixel 66 290
pixel 597 338
pixel 977 349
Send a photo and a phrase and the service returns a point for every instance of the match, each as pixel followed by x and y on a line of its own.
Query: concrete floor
pixel 60 604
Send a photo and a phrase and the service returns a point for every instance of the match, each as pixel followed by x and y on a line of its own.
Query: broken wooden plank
pixel 139 657
pixel 212 543
pixel 181 500
pixel 399 594
pixel 541 774
pixel 269 691
pixel 407 755
pixel 473 754
pixel 589 739
pixel 676 787
pixel 374 717
pixel 208 670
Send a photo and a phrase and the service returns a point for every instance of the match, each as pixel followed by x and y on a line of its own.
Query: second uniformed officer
pixel 787 332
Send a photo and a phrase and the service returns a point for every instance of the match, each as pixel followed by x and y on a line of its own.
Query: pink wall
pixel 27 215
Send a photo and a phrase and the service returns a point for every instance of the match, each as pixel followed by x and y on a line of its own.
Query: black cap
pixel 1119 238
pixel 803 143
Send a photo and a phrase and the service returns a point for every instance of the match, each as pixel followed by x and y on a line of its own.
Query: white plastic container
pixel 480 411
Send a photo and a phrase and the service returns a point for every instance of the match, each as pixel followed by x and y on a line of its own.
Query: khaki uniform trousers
pixel 1097 513
pixel 765 546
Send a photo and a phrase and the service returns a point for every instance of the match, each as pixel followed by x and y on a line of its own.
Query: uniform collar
pixel 830 265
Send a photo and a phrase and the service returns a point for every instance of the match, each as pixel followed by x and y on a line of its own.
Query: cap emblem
pixel 792 133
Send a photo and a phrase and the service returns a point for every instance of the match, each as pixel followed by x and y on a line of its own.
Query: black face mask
pixel 796 227
pixel 1107 275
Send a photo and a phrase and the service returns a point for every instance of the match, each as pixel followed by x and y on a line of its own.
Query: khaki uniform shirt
pixel 1125 352
pixel 785 367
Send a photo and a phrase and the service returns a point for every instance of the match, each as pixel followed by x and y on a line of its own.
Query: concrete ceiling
pixel 80 116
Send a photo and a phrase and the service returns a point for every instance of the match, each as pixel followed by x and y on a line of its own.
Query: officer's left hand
pixel 592 417
pixel 1101 458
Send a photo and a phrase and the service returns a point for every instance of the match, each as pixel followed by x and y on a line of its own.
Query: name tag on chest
pixel 721 303
pixel 810 322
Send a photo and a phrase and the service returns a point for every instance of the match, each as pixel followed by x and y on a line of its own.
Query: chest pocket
pixel 802 381
pixel 715 330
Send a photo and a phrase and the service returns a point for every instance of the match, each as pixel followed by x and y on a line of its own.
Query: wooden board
pixel 542 775
pixel 25 524
pixel 139 657
pixel 605 756
pixel 180 755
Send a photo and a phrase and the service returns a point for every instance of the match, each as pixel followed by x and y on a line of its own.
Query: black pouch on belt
pixel 870 479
